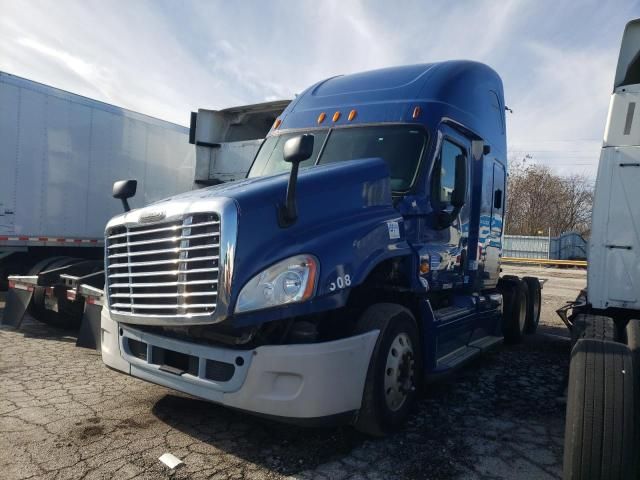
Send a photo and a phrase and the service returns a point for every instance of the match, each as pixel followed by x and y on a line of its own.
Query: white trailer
pixel 60 154
pixel 603 407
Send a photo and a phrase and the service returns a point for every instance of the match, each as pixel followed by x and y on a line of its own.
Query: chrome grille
pixel 165 269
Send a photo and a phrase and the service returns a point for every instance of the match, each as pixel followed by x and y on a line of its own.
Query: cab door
pixel 448 239
pixel 493 246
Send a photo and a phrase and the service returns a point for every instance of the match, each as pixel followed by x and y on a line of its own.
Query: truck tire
pixel 395 369
pixel 16 264
pixel 43 264
pixel 534 304
pixel 36 308
pixel 70 313
pixel 514 308
pixel 600 429
pixel 594 327
pixel 633 342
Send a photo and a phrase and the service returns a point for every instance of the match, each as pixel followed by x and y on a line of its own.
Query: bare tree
pixel 539 200
pixel 578 202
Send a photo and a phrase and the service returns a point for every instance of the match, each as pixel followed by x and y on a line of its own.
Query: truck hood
pixel 349 185
pixel 345 218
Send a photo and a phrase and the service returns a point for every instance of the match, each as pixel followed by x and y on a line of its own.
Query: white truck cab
pixel 614 250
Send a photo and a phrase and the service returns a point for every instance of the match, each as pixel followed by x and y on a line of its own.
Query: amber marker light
pixel 424 267
pixel 352 115
pixel 321 117
pixel 277 123
pixel 416 112
pixel 311 283
pixel 336 116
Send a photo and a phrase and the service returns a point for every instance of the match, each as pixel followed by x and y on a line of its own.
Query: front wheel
pixel 395 369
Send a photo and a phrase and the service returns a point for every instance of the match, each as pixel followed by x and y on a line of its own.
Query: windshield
pixel 269 160
pixel 399 145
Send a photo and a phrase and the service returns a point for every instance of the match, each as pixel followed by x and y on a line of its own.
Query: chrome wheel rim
pixel 398 374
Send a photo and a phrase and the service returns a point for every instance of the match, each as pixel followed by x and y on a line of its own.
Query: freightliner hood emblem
pixel 152 216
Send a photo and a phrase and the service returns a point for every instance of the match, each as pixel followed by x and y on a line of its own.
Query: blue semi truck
pixel 358 259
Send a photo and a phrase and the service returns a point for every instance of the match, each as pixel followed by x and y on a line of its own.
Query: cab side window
pixel 444 175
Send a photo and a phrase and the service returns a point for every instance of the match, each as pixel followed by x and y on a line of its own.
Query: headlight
pixel 289 281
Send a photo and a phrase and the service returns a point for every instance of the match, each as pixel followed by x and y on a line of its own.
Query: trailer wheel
pixel 15 264
pixel 36 309
pixel 600 429
pixel 395 369
pixel 42 265
pixel 514 308
pixel 534 304
pixel 633 342
pixel 595 327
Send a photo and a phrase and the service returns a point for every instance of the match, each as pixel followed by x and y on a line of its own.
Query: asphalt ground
pixel 63 414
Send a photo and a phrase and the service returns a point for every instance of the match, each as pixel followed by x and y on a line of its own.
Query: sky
pixel 167 58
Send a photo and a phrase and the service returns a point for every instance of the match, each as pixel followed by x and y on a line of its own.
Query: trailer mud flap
pixel 18 300
pixel 89 334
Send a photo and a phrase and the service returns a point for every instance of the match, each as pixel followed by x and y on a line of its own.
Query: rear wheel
pixel 514 309
pixel 395 369
pixel 534 304
pixel 600 430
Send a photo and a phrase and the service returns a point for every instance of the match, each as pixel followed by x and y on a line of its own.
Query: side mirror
pixel 124 189
pixel 296 150
pixel 459 193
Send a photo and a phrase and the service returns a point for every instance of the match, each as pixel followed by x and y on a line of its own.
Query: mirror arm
pixel 124 189
pixel 288 213
pixel 296 150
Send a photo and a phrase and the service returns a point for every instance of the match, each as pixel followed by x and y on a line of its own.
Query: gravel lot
pixel 64 415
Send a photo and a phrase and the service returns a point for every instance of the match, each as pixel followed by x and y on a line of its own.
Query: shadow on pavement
pixel 282 447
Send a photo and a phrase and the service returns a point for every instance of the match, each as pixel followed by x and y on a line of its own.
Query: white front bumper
pixel 294 381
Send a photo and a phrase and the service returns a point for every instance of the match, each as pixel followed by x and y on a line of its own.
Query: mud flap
pixel 18 301
pixel 89 334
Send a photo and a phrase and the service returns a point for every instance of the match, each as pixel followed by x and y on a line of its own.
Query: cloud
pixel 166 58
pixel 560 118
pixel 98 76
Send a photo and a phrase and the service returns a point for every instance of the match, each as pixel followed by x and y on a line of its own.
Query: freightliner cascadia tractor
pixel 359 258
pixel 601 434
